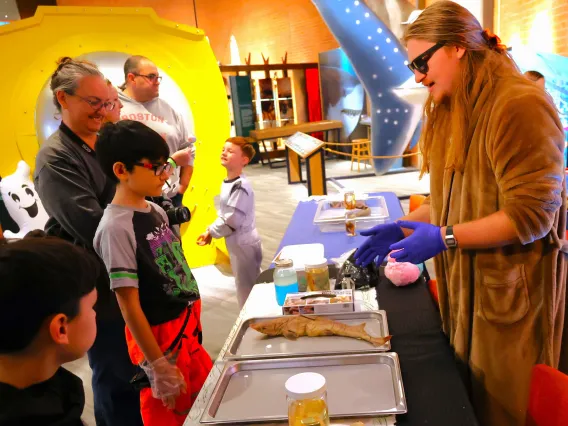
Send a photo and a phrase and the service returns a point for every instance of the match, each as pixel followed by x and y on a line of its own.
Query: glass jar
pixel 306 394
pixel 285 280
pixel 351 223
pixel 349 200
pixel 317 275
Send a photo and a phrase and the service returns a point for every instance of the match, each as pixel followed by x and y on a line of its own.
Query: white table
pixel 262 303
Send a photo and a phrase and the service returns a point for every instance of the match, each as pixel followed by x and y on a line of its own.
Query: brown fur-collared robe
pixel 503 309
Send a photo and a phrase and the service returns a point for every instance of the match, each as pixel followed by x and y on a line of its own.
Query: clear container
pixel 317 275
pixel 350 223
pixel 306 394
pixel 285 280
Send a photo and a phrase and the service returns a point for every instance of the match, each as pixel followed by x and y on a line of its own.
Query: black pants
pixel 116 401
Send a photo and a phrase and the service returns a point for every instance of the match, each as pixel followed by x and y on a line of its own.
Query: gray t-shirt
pixel 140 250
pixel 162 118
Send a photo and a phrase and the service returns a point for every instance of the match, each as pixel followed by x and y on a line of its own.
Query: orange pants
pixel 192 360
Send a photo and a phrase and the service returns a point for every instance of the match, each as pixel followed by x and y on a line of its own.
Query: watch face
pixel 450 241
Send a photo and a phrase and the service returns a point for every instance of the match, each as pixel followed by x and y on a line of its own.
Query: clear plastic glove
pixel 425 242
pixel 166 380
pixel 378 244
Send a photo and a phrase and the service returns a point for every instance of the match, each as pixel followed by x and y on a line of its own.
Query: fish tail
pixel 380 341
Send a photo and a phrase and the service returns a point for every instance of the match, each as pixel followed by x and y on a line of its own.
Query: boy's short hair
pixel 245 144
pixel 128 142
pixel 39 278
pixel 534 75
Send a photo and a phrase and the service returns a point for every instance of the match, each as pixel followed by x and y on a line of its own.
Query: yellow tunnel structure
pixel 32 46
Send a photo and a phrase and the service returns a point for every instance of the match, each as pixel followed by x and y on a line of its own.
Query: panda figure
pixel 22 202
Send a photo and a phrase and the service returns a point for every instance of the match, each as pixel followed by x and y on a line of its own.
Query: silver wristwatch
pixel 450 239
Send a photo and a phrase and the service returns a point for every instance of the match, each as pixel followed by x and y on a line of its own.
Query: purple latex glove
pixel 378 243
pixel 425 242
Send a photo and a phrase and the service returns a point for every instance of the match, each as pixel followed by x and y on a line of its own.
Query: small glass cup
pixel 349 200
pixel 350 217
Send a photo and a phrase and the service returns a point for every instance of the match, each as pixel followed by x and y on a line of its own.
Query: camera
pixel 176 215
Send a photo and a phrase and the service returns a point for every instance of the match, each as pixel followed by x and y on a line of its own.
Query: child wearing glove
pixel 155 289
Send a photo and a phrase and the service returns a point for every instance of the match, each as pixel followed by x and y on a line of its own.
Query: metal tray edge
pixel 402 407
pixel 230 356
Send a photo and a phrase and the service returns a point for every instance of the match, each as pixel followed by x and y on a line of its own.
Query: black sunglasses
pixel 420 63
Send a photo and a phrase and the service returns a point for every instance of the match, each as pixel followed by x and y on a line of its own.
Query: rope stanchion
pixel 413 154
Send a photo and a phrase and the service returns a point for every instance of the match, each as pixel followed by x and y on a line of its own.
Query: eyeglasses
pixel 97 104
pixel 159 169
pixel 152 77
pixel 420 63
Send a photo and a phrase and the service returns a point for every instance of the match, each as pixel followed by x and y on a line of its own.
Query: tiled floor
pixel 275 203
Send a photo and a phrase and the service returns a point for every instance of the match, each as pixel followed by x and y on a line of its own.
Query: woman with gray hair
pixel 74 191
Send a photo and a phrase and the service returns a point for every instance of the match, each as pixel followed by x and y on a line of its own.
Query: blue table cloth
pixel 302 230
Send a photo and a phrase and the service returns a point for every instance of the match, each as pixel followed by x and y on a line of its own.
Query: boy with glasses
pixel 155 289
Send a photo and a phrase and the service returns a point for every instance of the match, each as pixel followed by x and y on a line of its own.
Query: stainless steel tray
pixel 357 386
pixel 248 343
pixel 332 219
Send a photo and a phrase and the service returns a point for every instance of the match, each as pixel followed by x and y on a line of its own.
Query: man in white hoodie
pixel 141 102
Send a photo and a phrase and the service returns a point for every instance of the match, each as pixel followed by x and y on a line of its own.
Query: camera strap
pixel 180 335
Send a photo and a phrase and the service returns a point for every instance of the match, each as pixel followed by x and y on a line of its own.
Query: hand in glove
pixel 381 237
pixel 425 242
pixel 166 380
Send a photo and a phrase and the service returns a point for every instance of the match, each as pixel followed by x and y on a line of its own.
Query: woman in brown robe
pixel 496 217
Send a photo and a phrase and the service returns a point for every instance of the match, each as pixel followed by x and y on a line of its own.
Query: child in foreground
pixel 236 221
pixel 47 294
pixel 155 289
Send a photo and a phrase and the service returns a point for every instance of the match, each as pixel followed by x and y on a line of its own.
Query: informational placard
pixel 302 144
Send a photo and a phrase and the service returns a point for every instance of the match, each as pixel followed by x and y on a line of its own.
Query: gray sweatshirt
pixel 161 117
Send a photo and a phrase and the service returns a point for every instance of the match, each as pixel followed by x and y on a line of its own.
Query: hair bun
pixel 493 41
pixel 64 60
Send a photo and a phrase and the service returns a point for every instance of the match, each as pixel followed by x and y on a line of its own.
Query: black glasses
pixel 159 169
pixel 152 77
pixel 420 63
pixel 97 104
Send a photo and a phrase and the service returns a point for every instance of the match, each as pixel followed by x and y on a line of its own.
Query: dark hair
pixel 40 277
pixel 245 145
pixel 128 142
pixel 132 65
pixel 67 75
pixel 534 75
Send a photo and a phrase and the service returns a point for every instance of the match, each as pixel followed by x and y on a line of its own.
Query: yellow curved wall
pixel 31 47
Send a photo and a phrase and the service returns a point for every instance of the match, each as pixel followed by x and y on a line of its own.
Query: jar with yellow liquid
pixel 317 275
pixel 306 394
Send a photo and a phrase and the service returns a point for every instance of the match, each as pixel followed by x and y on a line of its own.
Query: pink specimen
pixel 401 273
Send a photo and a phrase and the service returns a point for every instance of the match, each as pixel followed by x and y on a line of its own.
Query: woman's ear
pixel 460 51
pixel 62 99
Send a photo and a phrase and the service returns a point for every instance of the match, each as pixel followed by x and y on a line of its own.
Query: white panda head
pixel 22 201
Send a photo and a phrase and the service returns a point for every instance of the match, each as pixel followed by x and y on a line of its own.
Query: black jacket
pixel 58 401
pixel 75 191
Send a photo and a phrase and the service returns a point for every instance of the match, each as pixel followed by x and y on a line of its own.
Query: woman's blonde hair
pixel 485 58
